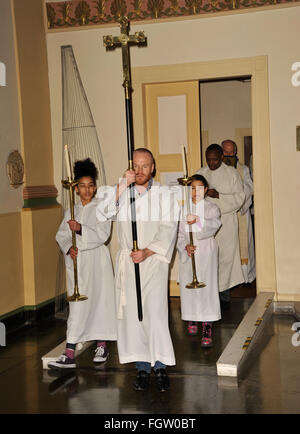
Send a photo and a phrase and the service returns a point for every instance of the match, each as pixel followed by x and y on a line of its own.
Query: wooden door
pixel 172 120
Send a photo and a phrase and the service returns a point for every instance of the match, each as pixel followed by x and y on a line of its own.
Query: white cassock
pixel 148 340
pixel 246 232
pixel 227 181
pixel 201 304
pixel 94 318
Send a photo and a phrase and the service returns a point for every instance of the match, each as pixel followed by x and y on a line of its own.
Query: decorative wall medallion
pixel 15 169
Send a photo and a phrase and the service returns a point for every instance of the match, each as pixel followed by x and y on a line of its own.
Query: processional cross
pixel 125 40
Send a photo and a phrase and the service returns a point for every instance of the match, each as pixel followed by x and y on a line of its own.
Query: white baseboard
pixel 236 351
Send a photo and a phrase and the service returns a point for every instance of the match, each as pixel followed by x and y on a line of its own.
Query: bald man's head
pixel 229 148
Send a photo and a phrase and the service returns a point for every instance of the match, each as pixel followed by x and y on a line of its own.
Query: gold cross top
pixel 124 40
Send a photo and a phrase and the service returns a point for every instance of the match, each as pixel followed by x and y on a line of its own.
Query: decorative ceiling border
pixel 83 13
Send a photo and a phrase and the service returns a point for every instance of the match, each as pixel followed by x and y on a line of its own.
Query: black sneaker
pixel 142 380
pixel 162 380
pixel 63 362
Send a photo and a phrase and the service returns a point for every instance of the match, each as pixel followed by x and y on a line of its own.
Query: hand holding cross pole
pixel 125 40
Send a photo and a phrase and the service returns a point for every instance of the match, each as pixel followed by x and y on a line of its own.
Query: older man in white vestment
pixel 226 191
pixel 246 238
pixel 147 342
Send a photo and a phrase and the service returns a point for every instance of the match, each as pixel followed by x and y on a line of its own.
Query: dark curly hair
pixel 85 168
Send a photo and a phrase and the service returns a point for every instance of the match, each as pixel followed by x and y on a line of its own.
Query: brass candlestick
pixel 70 184
pixel 194 284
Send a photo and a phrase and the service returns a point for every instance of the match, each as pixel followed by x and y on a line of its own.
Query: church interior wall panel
pixel 40 253
pixel 34 92
pixel 45 223
pixel 226 107
pixel 243 35
pixel 11 198
pixel 11 264
pixel 29 242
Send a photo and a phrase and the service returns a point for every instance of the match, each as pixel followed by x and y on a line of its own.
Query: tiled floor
pixel 270 383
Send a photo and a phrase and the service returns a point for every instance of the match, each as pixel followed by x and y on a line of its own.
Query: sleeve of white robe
pixel 248 190
pixel 165 238
pixel 64 235
pixel 96 236
pixel 64 238
pixel 211 224
pixel 232 202
pixel 201 230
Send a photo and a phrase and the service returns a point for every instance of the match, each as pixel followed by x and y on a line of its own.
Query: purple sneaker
pixel 63 362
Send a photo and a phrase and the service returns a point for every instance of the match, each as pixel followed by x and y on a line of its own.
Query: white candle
pixel 185 170
pixel 68 163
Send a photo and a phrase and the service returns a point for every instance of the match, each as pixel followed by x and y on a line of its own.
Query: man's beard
pixel 230 160
pixel 142 180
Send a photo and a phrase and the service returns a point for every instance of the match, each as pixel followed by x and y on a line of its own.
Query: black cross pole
pixel 125 41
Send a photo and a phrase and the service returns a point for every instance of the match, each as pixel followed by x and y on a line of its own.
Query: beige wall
pixel 40 253
pixel 11 198
pixel 225 106
pixel 34 92
pixel 28 264
pixel 274 33
pixel 11 266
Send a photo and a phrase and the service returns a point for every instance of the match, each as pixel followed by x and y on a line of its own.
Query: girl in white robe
pixel 201 304
pixel 94 318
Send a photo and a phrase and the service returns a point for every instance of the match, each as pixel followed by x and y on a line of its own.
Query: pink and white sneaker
pixel 101 354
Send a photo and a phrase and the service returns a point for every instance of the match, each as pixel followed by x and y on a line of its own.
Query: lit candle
pixel 68 163
pixel 185 170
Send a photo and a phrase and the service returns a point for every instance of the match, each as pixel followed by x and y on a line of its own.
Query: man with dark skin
pixel 214 160
pixel 226 191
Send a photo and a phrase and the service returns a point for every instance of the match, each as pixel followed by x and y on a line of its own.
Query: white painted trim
pixel 234 356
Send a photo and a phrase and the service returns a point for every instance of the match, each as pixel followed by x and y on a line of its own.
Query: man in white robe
pixel 226 191
pixel 147 342
pixel 244 216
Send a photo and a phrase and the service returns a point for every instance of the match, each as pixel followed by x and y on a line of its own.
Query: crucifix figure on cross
pixel 125 40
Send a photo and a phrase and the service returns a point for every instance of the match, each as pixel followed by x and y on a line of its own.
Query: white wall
pixel 275 33
pixel 11 198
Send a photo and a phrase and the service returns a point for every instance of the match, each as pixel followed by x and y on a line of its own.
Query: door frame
pixel 257 68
